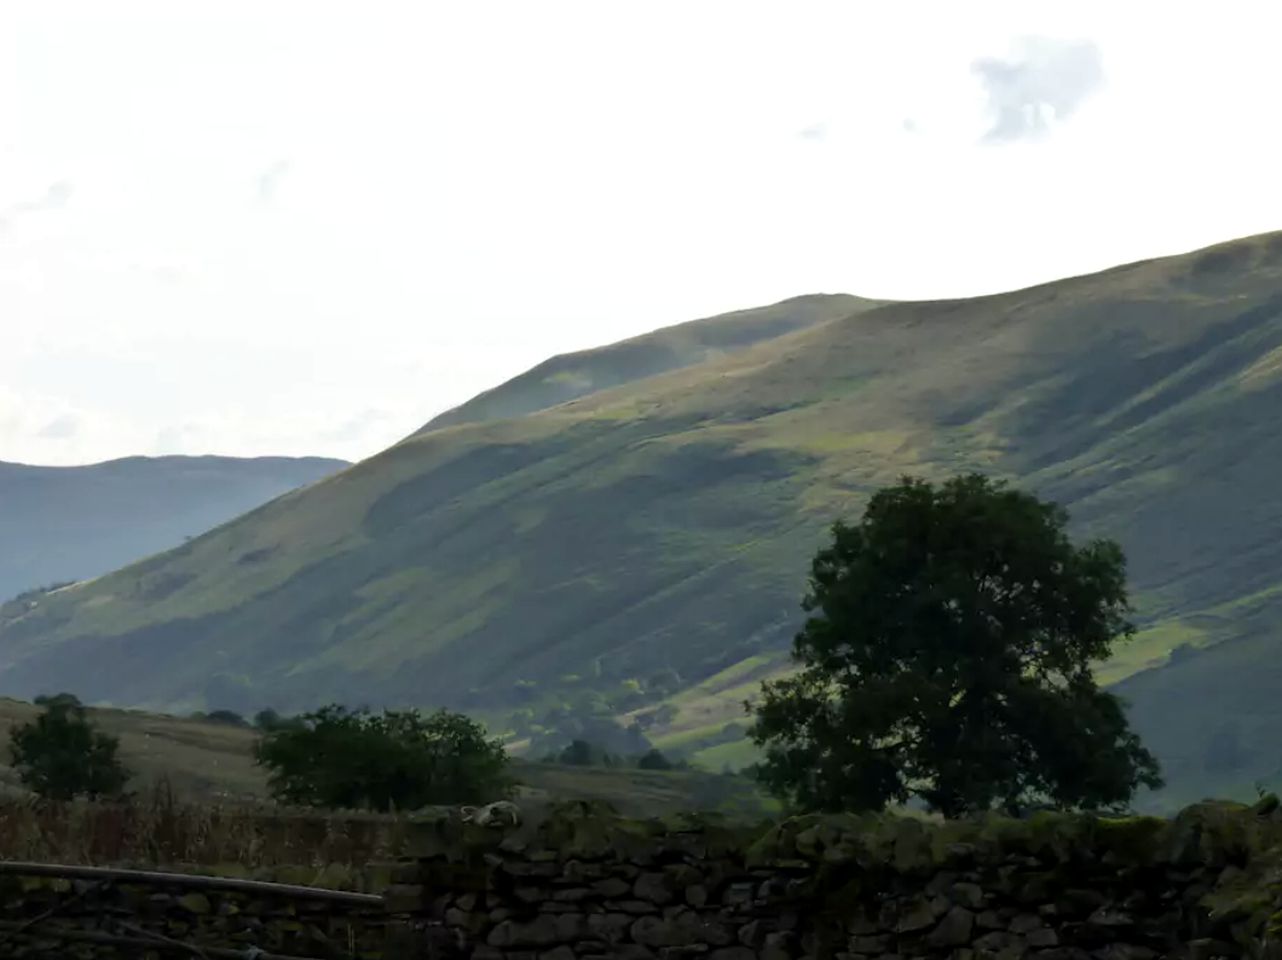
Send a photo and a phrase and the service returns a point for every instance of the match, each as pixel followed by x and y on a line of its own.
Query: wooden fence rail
pixel 264 887
pixel 127 937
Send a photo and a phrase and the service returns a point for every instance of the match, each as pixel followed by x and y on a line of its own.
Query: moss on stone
pixel 579 832
pixel 1137 840
pixel 1217 833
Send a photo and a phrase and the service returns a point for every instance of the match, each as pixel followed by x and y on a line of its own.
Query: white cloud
pixel 62 427
pixel 1043 82
pixel 55 196
pixel 270 179
pixel 287 214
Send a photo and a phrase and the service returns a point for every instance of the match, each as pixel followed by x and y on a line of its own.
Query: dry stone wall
pixel 588 884
pixel 585 883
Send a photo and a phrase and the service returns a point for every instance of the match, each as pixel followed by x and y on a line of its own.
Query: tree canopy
pixel 60 755
pixel 336 757
pixel 948 656
pixel 654 759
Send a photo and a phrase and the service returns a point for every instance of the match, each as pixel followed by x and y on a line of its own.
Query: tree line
pixel 946 657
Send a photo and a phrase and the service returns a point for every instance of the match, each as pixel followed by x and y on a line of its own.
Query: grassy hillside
pixel 71 523
pixel 200 760
pixel 573 375
pixel 208 762
pixel 662 528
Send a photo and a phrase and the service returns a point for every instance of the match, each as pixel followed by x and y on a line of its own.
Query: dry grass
pixel 339 849
pixel 198 760
pixel 201 805
pixel 160 830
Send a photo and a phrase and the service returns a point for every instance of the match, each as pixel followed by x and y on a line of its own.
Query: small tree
pixel 948 656
pixel 399 760
pixel 653 760
pixel 267 719
pixel 580 753
pixel 60 755
pixel 229 718
pixel 47 700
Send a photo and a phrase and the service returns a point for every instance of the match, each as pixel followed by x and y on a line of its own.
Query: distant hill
pixel 660 528
pixel 71 523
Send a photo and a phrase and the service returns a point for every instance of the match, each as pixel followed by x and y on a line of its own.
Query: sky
pixel 305 228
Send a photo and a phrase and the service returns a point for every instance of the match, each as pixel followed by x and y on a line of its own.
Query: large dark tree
pixel 395 760
pixel 948 656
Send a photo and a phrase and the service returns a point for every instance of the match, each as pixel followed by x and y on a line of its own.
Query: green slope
pixel 287 554
pixel 667 522
pixel 573 375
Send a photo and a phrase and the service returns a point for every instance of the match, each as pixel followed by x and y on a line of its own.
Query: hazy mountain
pixel 667 522
pixel 71 523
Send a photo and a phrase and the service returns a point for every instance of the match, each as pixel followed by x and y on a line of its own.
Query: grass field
pixel 341 849
pixel 199 760
pixel 211 764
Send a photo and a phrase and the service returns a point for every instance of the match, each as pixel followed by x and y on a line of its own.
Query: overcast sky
pixel 305 228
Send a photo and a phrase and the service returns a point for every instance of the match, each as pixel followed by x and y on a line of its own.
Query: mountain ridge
pixel 569 376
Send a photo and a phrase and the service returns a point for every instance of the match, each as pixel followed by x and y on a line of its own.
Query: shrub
pixel 581 753
pixel 56 699
pixel 269 720
pixel 60 755
pixel 654 760
pixel 228 718
pixel 398 760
